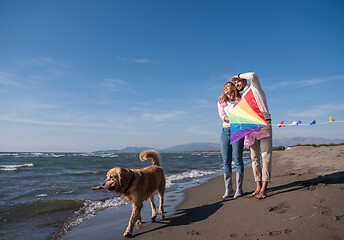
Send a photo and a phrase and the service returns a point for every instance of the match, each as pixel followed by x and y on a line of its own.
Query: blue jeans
pixel 227 149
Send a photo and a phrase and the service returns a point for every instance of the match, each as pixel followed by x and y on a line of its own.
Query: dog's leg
pixel 139 221
pixel 151 199
pixel 134 216
pixel 161 203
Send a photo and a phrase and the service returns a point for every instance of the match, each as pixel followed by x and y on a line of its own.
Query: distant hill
pixel 208 146
pixel 191 147
pixel 125 150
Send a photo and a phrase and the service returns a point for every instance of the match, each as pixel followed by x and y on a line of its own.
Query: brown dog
pixel 136 185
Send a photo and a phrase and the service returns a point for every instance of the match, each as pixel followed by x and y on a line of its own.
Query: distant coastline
pixel 279 144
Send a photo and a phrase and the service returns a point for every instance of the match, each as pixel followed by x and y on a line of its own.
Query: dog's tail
pixel 150 154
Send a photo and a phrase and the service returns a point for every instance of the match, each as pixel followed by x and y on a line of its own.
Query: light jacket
pixel 259 95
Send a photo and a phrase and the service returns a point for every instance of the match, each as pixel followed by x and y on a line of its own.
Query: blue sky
pixel 92 75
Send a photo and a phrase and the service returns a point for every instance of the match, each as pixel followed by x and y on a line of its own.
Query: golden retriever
pixel 136 185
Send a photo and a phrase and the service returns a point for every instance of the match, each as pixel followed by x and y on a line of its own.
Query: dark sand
pixel 305 201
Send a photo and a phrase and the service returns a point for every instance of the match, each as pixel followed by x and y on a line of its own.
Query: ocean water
pixel 45 195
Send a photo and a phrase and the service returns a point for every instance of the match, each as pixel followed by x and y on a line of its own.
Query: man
pixel 260 142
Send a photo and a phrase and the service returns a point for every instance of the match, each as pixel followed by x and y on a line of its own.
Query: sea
pixel 46 195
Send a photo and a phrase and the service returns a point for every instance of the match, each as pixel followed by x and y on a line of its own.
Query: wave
pixel 42 195
pixel 89 207
pixel 9 154
pixel 14 167
pixel 32 154
pixel 187 176
pixel 89 210
pixel 55 155
pixel 51 155
pixel 102 155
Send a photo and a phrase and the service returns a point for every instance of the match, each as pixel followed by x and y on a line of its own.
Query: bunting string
pixel 299 123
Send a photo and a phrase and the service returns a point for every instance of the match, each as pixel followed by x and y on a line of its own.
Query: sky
pixel 93 75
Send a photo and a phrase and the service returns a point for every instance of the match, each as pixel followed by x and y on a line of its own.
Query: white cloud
pixel 34 105
pixel 44 62
pixel 33 121
pixel 7 79
pixel 199 130
pixel 135 60
pixel 303 83
pixel 112 84
pixel 162 116
pixel 201 101
pixel 97 124
pixel 142 60
pixel 318 110
pixel 46 65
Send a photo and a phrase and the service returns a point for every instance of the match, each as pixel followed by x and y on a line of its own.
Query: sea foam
pixel 14 167
pixel 188 176
pixel 89 210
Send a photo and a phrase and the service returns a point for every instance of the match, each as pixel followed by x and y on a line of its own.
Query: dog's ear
pixel 125 176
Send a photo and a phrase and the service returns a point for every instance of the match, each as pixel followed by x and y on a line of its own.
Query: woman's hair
pixel 235 92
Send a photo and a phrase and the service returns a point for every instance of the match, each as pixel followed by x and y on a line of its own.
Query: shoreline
pixel 305 201
pixel 106 218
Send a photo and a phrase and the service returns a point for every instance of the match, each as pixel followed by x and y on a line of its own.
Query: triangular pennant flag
pixel 281 124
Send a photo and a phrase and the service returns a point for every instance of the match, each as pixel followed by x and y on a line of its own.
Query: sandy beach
pixel 305 201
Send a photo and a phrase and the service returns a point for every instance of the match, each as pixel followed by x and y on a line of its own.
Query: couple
pixel 260 142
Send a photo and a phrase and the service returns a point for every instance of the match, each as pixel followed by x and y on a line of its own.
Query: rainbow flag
pixel 246 117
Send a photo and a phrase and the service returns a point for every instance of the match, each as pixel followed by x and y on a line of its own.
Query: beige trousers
pixel 263 147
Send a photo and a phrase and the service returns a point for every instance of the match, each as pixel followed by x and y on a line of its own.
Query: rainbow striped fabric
pixel 245 118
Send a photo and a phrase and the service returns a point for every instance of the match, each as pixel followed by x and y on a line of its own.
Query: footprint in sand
pixel 280 208
pixel 193 232
pixel 276 233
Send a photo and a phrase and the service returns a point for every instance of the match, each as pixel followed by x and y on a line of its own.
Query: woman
pixel 233 97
